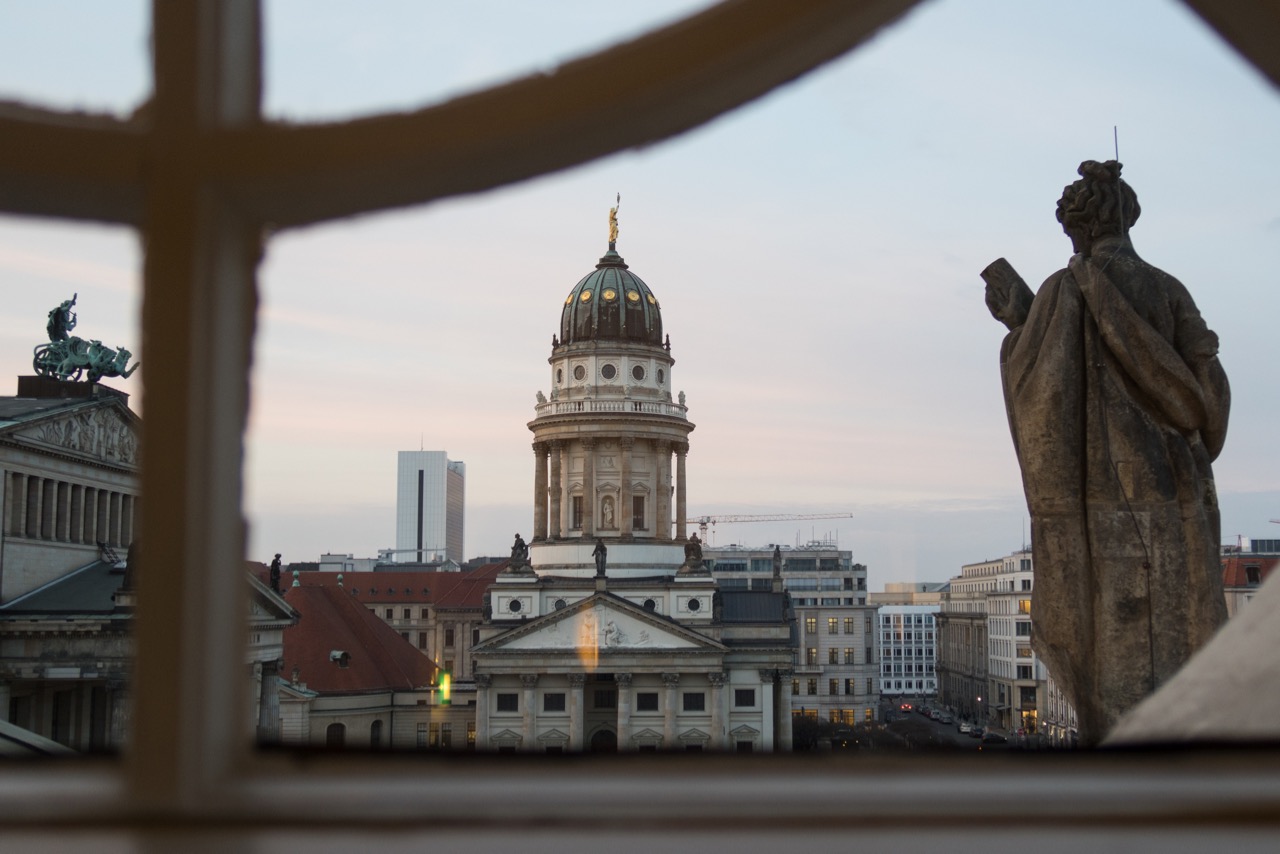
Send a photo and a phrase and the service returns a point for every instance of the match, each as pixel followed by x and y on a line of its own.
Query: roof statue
pixel 1118 406
pixel 613 221
pixel 67 356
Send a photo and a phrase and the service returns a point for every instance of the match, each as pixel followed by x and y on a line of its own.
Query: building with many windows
pixel 908 643
pixel 430 507
pixel 836 675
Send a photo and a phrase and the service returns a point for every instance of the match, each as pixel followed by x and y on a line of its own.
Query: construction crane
pixel 703 521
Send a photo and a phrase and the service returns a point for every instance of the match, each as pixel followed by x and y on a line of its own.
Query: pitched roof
pixel 1235 568
pixel 443 589
pixel 87 591
pixel 334 623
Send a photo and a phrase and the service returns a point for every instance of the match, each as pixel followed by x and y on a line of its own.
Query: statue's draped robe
pixel 1118 404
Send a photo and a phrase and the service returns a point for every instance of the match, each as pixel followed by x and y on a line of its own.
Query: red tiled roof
pixel 443 589
pixel 1235 568
pixel 333 621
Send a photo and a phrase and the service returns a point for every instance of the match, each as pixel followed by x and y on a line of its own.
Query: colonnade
pixel 48 509
pixel 552 495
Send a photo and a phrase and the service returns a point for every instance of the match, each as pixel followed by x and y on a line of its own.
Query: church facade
pixel 607 632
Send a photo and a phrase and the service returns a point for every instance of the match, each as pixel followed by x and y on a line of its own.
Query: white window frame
pixel 203 177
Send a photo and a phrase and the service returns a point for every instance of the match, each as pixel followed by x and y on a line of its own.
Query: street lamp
pixel 980 718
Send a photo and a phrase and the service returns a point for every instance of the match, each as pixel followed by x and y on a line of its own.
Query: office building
pixel 430 507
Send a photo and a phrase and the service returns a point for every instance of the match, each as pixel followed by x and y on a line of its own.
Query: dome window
pixel 610 294
pixel 633 296
pixel 568 300
pixel 608 372
pixel 579 372
pixel 652 301
pixel 586 296
pixel 638 373
pixel 560 604
pixel 650 605
pixel 694 605
pixel 662 377
pixel 514 606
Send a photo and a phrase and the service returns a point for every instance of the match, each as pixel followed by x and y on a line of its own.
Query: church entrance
pixel 604 741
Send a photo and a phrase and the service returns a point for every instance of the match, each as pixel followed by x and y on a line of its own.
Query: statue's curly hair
pixel 1099 204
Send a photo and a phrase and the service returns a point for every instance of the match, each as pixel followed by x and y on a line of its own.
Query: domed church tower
pixel 605 437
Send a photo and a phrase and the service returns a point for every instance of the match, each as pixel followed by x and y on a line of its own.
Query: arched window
pixel 335 735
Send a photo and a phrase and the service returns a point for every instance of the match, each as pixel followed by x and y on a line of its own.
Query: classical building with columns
pixel 607 631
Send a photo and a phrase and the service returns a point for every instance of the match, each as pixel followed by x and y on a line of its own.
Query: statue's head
pixel 1098 205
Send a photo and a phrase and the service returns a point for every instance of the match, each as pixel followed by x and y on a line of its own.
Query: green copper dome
pixel 611 304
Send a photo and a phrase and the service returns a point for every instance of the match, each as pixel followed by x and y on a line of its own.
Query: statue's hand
pixel 1008 297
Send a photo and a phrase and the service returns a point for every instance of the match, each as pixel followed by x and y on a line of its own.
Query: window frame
pixel 201 210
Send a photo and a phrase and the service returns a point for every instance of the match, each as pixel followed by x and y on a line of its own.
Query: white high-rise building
pixel 430 503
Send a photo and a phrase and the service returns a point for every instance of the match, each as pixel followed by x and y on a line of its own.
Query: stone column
pixel 576 681
pixel 269 710
pixel 62 515
pixel 662 451
pixel 540 491
pixel 671 682
pixel 783 725
pixel 89 532
pixel 589 488
pixel 557 490
pixel 77 514
pixel 483 681
pixel 114 528
pixel 624 710
pixel 530 683
pixel 718 716
pixel 768 725
pixel 681 450
pixel 255 698
pixel 48 494
pixel 14 515
pixel 626 443
pixel 121 711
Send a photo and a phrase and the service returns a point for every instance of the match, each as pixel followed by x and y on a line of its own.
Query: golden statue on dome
pixel 613 220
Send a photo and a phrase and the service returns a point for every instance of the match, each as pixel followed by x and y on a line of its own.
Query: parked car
pixel 994 738
pixel 965 727
pixel 976 732
pixel 945 718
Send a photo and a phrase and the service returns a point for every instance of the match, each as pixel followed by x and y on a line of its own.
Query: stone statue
pixel 681 398
pixel 601 555
pixel 274 575
pixel 542 398
pixel 693 551
pixel 606 512
pixel 777 561
pixel 519 553
pixel 1117 405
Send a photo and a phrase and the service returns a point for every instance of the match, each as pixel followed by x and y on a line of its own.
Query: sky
pixel 816 254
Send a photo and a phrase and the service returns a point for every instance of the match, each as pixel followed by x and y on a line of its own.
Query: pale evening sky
pixel 816 255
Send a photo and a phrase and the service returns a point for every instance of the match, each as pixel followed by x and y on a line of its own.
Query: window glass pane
pixel 76 55
pixel 332 59
pixel 70 483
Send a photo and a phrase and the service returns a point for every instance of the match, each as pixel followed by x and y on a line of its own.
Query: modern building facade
pixel 908 644
pixel 430 507
pixel 836 673
pixel 606 632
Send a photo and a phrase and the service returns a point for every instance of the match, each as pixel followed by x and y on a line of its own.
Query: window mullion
pixel 198 312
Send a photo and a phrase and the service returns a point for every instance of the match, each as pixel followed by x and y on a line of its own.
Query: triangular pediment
pixel 106 431
pixel 602 623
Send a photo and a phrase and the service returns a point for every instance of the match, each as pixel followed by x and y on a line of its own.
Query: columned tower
pixel 605 438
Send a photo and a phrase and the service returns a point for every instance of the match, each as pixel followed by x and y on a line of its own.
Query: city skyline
pixel 816 255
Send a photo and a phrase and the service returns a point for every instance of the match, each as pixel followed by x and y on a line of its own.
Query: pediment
pixel 103 432
pixel 602 623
